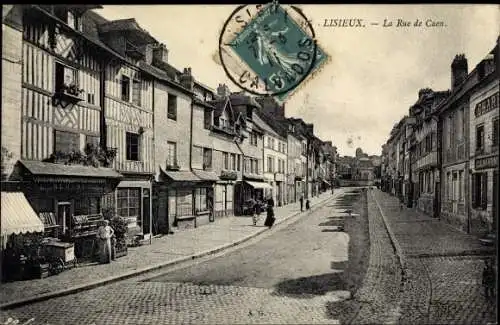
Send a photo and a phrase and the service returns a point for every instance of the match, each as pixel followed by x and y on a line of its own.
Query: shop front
pixel 184 199
pixel 280 199
pixel 68 199
pixel 252 187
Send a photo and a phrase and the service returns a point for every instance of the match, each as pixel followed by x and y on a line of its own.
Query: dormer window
pixel 71 18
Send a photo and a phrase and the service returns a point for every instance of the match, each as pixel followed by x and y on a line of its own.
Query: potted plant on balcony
pixel 229 175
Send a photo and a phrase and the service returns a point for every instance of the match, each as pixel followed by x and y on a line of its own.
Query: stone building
pixel 424 161
pixel 484 139
pixel 453 153
pixel 274 159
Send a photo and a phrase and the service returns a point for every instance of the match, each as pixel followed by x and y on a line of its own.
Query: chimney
pixel 160 53
pixel 310 128
pixel 148 53
pixel 459 70
pixel 187 79
pixel 223 90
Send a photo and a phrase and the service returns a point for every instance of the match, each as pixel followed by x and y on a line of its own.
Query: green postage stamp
pixel 270 49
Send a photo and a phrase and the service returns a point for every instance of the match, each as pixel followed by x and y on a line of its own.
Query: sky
pixel 374 73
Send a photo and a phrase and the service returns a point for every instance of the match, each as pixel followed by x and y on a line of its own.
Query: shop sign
pixel 72 187
pixel 278 177
pixel 487 162
pixel 486 105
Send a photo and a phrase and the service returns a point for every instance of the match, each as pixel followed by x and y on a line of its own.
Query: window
pixel 480 138
pixel 461 186
pixel 129 203
pixel 172 107
pixel 238 164
pixel 69 17
pixel 171 154
pixel 495 135
pixel 449 137
pixel 225 156
pixel 136 93
pixel 200 199
pixel 207 158
pixel 65 77
pixel 132 146
pixel 91 99
pixel 269 164
pixel 448 188
pixel 233 161
pixel 66 141
pixel 253 139
pixel 256 166
pixel 207 118
pixel 93 140
pixel 480 191
pixel 125 88
pixel 87 205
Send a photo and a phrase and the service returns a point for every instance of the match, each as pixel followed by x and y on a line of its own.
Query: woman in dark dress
pixel 270 213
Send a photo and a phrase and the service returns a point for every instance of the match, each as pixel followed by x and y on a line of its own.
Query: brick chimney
pixel 223 90
pixel 459 70
pixel 148 53
pixel 160 53
pixel 187 79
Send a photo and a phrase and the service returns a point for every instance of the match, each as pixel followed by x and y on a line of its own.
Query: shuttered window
pixel 136 93
pixel 66 141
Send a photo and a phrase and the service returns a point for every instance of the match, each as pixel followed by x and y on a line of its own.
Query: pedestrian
pixel 104 235
pixel 270 219
pixel 301 202
pixel 489 279
pixel 257 207
pixel 308 204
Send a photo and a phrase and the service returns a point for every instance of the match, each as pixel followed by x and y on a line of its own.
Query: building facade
pixel 484 139
pixel 274 160
pixel 424 162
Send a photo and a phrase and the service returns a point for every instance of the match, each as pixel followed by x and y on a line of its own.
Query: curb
pixel 394 242
pixel 130 274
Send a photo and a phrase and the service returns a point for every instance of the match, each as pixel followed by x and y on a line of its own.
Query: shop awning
pixel 18 216
pixel 206 175
pixel 259 185
pixel 182 176
pixel 43 171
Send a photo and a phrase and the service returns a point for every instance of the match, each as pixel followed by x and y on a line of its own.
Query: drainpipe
pixel 307 168
pixel 191 148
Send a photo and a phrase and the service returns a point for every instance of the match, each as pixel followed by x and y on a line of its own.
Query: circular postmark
pixel 268 49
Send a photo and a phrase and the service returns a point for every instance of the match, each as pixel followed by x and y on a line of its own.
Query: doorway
pixel 455 193
pixel 146 212
pixel 64 216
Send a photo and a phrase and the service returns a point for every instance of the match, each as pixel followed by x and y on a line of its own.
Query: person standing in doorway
pixel 301 202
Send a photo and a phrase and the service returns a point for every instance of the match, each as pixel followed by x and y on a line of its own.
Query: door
pixel 172 208
pixel 495 200
pixel 437 199
pixel 146 212
pixel 64 216
pixel 455 193
pixel 224 200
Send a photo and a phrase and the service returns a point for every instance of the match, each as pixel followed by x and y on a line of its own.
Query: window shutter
pixel 484 191
pixel 474 190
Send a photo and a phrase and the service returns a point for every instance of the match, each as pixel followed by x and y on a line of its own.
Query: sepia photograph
pixel 262 163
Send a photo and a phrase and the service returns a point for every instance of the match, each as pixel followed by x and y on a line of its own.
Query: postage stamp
pixel 270 49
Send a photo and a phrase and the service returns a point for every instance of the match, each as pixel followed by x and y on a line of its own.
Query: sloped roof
pixel 265 126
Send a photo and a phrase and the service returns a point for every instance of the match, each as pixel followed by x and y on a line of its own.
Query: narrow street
pixel 296 274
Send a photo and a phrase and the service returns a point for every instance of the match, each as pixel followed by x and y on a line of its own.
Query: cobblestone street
pixel 289 276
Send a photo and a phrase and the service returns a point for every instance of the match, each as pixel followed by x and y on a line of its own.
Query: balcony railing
pixel 172 165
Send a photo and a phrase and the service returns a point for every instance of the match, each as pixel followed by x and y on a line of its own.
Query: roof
pixel 241 99
pixel 127 25
pixel 38 168
pixel 265 126
pixel 219 105
pixel 18 216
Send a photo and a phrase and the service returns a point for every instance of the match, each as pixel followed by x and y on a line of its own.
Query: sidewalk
pixel 419 235
pixel 164 251
pixel 442 281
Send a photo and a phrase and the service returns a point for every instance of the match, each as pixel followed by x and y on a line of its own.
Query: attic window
pixel 71 18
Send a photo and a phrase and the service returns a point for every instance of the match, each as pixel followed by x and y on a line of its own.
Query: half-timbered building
pixel 62 165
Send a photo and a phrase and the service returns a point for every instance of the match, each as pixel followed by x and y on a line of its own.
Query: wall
pixel 122 117
pixel 11 87
pixel 170 130
pixel 482 220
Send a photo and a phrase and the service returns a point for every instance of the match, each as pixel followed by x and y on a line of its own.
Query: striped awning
pixel 18 217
